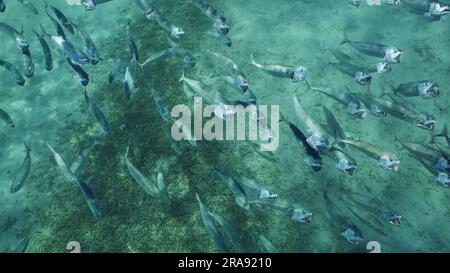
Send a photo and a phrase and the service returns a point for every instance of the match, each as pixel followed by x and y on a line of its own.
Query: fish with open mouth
pixel 399 110
pixel 380 67
pixel 425 152
pixel 344 162
pixel 424 89
pixel 388 53
pixel 14 72
pixel 349 229
pixel 317 137
pixel 442 177
pixel 296 74
pixel 387 160
pixel 355 108
pixel 238 80
pixel 92 4
pixel 219 22
pixel 358 73
pixel 223 39
pixel 313 158
pixel 20 41
pixel 254 190
pixel 419 117
pixel 432 10
pixel 223 110
pixel 6 118
pixel 376 206
pixel 298 214
pixel 153 14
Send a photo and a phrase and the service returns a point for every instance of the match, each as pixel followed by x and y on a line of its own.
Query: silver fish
pixel 148 186
pixel 98 115
pixel 48 59
pixel 377 206
pixel 432 10
pixel 20 41
pixel 210 227
pixel 387 161
pixel 163 110
pixel 349 229
pixel 239 194
pixel 296 74
pixel 6 118
pixel 354 106
pixel 80 159
pixel 388 53
pixel 423 88
pixel 30 6
pixel 317 137
pixel 219 22
pixel 163 193
pixel 15 73
pixel 23 172
pixel 64 169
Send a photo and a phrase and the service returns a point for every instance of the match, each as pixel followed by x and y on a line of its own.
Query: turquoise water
pixel 51 109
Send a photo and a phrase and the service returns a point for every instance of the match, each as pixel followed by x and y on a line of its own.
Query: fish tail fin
pixel 345 36
pixel 443 133
pixel 36 33
pixel 308 85
pixel 183 77
pixel 27 145
pixel 432 138
pixel 172 43
pixel 252 59
pixel 44 32
pixel 127 151
pixel 282 118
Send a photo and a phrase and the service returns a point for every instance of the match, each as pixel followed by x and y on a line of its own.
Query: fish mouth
pixel 389 163
pixel 299 74
pixel 315 164
pixel 360 113
pixel 302 216
pixel 350 170
pixel 395 220
pixel 427 124
pixel 363 78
